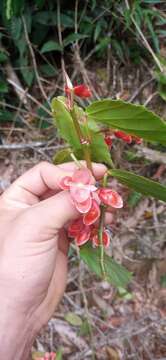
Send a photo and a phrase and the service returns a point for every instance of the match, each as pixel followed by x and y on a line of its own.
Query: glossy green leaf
pixel 133 119
pixel 140 184
pixel 116 274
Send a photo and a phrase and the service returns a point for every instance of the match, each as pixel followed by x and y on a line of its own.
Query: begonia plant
pixel 90 132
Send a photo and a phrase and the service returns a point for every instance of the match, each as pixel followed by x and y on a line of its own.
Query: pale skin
pixel 33 253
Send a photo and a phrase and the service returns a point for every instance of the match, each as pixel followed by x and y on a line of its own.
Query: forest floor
pixel 130 325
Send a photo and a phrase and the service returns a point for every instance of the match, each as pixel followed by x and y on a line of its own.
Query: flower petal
pixel 110 197
pixel 82 91
pixel 108 140
pixel 83 236
pixel 105 239
pixel 137 139
pixel 65 183
pixel 75 227
pixel 93 214
pixel 79 192
pixel 122 135
pixel 85 206
pixel 69 84
pixel 82 175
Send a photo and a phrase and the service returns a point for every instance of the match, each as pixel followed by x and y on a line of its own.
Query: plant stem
pixel 75 160
pixel 76 124
pixel 100 234
pixel 101 228
pixel 84 142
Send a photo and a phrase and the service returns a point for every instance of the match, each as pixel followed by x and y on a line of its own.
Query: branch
pixel 31 145
pixel 152 155
pixel 33 60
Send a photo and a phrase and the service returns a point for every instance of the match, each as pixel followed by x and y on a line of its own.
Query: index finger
pixel 29 187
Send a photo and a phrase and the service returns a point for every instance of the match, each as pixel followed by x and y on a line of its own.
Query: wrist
pixel 17 334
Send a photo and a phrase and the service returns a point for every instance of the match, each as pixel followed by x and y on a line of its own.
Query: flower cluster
pixel 127 138
pixel 122 135
pixel 87 199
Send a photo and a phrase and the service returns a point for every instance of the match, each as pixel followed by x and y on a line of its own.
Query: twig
pixel 152 155
pixel 29 96
pixel 137 92
pixel 13 77
pixel 34 60
pixel 78 57
pixel 149 99
pixel 65 331
pixel 85 303
pixel 60 37
pixel 30 145
pixel 144 39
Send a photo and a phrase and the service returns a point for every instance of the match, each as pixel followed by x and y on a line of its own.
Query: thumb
pixel 54 212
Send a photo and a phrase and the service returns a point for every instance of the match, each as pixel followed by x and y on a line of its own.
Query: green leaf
pixel 59 354
pixel 50 45
pixel 27 74
pixel 140 184
pixel 133 119
pixel 64 123
pixel 116 274
pixel 48 18
pixel 6 116
pixel 99 149
pixel 73 319
pixel 72 38
pixel 48 70
pixel 163 281
pixel 3 87
pixel 134 198
pixel 62 156
pixel 3 57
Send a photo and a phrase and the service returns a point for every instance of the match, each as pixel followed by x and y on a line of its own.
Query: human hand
pixel 33 253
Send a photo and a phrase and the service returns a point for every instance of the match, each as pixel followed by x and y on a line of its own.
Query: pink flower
pixel 81 189
pixel 110 197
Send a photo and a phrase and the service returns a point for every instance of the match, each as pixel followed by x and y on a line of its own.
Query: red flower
pixel 105 239
pixel 127 138
pixel 136 139
pixel 93 214
pixel 122 135
pixel 83 233
pixel 79 90
pixel 110 198
pixel 79 231
pixel 108 140
pixel 80 189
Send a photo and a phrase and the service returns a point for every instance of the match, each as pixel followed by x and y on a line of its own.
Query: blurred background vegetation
pixel 36 35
